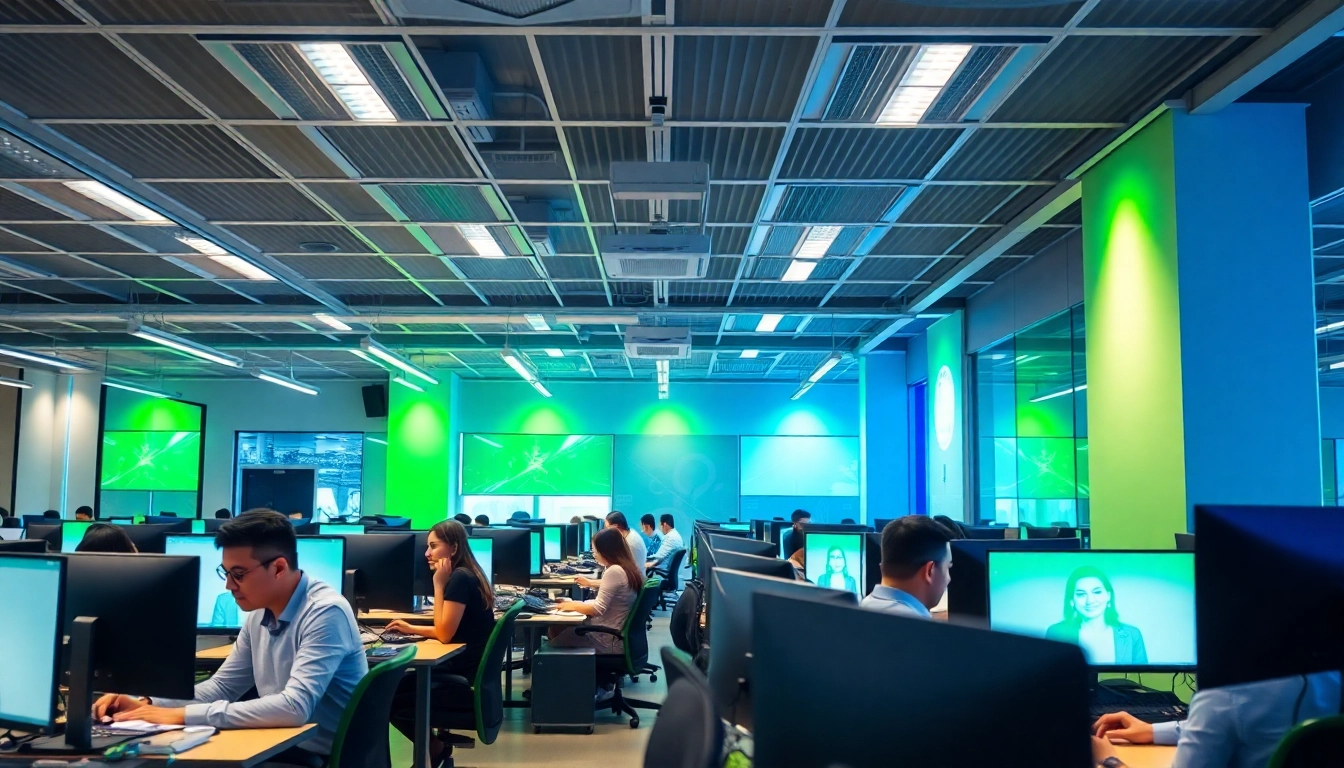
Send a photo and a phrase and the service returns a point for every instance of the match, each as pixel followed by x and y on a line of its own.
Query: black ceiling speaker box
pixel 375 401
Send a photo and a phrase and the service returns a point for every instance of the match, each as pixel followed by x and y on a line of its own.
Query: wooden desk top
pixel 242 748
pixel 1148 756
pixel 548 618
pixel 384 617
pixel 557 581
pixel 428 653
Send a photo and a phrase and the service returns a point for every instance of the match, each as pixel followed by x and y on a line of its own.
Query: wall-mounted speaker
pixel 375 401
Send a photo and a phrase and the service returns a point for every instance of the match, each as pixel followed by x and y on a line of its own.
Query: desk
pixel 385 617
pixel 241 748
pixel 428 654
pixel 1145 756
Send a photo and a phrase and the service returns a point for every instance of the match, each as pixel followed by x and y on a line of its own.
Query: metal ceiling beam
pixel 437 343
pixel 507 123
pixel 263 32
pixel 566 183
pixel 1310 26
pixel 872 341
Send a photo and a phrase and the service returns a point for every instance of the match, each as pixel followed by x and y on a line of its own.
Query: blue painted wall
pixel 884 436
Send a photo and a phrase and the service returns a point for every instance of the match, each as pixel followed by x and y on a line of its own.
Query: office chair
pixel 394 522
pixel 678 665
pixel 689 730
pixel 670 576
pixel 684 626
pixel 361 738
pixel 1312 743
pixel 612 667
pixel 487 691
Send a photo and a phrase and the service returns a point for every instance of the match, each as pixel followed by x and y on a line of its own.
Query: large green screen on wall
pixel 536 465
pixel 151 461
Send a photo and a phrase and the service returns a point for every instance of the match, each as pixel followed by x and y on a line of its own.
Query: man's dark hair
pixel 267 532
pixel 647 520
pixel 482 520
pixel 223 514
pixel 51 513
pixel 617 519
pixel 953 527
pixel 462 518
pixel 667 520
pixel 85 510
pixel 909 542
pixel 800 515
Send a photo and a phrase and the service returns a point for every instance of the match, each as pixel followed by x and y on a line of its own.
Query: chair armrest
pixel 581 631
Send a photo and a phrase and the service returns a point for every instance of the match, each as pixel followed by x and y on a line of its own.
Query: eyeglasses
pixel 238 575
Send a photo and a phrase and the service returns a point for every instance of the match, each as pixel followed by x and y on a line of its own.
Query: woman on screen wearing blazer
pixel 1092 622
pixel 836 575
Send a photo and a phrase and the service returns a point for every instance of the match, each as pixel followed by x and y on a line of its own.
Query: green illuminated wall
pixel 1135 414
pixel 947 417
pixel 419 453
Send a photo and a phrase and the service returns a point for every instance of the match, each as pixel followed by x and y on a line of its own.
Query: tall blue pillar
pixel 884 439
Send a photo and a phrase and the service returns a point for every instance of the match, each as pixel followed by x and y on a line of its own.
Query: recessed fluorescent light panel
pixel 768 323
pixel 183 345
pixel 798 271
pixel 750 354
pixel 372 347
pixel 334 64
pixel 933 67
pixel 537 322
pixel 33 357
pixel 243 267
pixel 331 322
pixel 817 242
pixel 201 245
pixel 287 382
pixel 555 352
pixel 108 197
pixel 481 241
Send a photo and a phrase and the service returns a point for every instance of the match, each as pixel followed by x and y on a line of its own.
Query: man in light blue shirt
pixel 652 539
pixel 301 650
pixel 916 568
pixel 1238 726
pixel 671 542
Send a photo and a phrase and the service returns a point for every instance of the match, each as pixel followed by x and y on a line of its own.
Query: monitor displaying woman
pixel 835 561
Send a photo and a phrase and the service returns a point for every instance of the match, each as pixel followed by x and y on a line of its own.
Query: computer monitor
pixel 569 540
pixel 1291 558
pixel 1145 598
pixel 744 546
pixel 967 595
pixel 836 560
pixel 213 524
pixel 930 677
pixel 179 524
pixel 719 530
pixel 736 527
pixel 512 555
pixel 985 532
pixel 836 528
pixel 385 570
pixel 40 520
pixel 729 622
pixel 1185 542
pixel 760 530
pixel 149 539
pixel 776 530
pixel 881 522
pixel 125 595
pixel 24 546
pixel 765 566
pixel 535 546
pixel 483 549
pixel 552 549
pixel 72 533
pixel 320 557
pixel 44 532
pixel 587 530
pixel 198 526
pixel 31 637
pixel 338 529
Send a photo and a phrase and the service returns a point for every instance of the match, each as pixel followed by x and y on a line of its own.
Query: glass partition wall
pixel 1031 425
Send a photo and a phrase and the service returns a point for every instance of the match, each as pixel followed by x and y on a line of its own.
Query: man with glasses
pixel 299 647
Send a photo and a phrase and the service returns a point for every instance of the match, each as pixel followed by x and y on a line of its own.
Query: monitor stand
pixel 78 736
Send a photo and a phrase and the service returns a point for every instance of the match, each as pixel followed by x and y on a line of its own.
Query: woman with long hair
pixel 101 537
pixel 616 594
pixel 1092 621
pixel 836 575
pixel 464 612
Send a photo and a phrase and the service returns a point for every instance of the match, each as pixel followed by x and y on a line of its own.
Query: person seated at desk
pixel 301 650
pixel 633 540
pixel 793 538
pixel 464 612
pixel 616 592
pixel 464 519
pixel 482 521
pixel 1238 726
pixel 84 514
pixel 916 568
pixel 652 539
pixel 223 514
pixel 671 542
pixel 101 537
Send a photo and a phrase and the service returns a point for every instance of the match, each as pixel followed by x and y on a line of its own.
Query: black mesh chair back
pixel 689 730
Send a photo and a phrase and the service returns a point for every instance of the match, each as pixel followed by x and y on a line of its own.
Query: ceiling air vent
pixel 517 11
pixel 657 343
pixel 655 257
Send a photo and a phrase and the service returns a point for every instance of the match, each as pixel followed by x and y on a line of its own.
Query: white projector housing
pixel 655 257
pixel 657 343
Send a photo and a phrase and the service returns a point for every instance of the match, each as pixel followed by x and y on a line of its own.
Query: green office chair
pixel 612 667
pixel 361 738
pixel 1311 744
pixel 487 691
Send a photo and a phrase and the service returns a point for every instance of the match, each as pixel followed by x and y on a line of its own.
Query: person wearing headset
pixel 1237 726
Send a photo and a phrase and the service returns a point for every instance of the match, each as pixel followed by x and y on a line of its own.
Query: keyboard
pixel 1149 706
pixel 532 603
pixel 399 637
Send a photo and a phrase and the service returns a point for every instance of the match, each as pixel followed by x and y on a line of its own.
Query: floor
pixel 612 743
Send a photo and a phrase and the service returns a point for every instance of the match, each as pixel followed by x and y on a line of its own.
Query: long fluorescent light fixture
pixel 1331 327
pixel 515 362
pixel 388 356
pixel 825 366
pixel 33 357
pixel 481 241
pixel 768 323
pixel 1060 393
pixel 333 63
pixel 377 440
pixel 537 322
pixel 802 390
pixel 285 381
pixel 201 245
pixel 136 388
pixel 541 388
pixel 332 322
pixel 182 345
pixel 15 383
pixel 407 384
pixel 108 197
pixel 243 267
pixel 934 66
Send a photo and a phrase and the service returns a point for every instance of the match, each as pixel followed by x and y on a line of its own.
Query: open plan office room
pixel 672 383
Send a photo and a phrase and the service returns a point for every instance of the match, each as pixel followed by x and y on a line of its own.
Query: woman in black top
pixel 464 612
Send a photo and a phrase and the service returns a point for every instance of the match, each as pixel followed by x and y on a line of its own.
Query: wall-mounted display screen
pixel 800 466
pixel 151 461
pixel 542 465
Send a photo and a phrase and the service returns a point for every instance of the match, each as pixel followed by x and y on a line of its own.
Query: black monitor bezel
pixel 57 641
